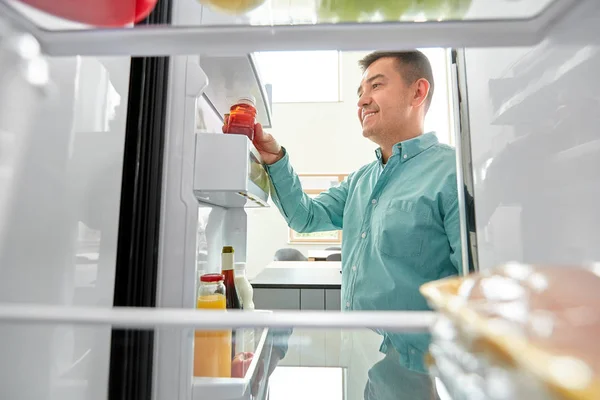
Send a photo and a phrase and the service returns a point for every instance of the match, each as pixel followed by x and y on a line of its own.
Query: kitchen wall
pixel 326 138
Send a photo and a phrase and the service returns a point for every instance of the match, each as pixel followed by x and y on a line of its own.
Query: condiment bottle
pixel 242 117
pixel 245 340
pixel 243 287
pixel 233 301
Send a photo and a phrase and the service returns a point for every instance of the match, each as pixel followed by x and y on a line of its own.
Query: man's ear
pixel 421 90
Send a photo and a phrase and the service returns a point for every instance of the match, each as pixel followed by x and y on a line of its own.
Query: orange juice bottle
pixel 212 349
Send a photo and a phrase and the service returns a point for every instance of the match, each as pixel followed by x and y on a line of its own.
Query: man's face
pixel 384 100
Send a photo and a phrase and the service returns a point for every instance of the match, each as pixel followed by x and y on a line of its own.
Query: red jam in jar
pixel 241 117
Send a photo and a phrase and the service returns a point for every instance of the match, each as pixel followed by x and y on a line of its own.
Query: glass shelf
pixel 198 28
pixel 315 12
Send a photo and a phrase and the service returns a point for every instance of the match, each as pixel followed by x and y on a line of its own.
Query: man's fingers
pixel 258 132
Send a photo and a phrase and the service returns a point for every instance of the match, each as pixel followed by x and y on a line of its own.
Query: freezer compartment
pixel 229 172
pixel 253 384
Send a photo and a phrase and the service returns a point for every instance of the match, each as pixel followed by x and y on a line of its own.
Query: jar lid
pixel 212 278
pixel 248 99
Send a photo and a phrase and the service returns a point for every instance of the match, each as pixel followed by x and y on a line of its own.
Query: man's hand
pixel 270 151
pixel 260 374
pixel 267 146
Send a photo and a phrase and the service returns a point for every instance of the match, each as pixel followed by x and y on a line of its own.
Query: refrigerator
pixel 117 188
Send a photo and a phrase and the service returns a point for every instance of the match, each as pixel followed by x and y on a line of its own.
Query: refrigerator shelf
pixel 280 26
pixel 151 318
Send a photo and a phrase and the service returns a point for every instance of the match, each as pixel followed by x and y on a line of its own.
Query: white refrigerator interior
pixel 59 231
pixel 535 146
pixel 528 137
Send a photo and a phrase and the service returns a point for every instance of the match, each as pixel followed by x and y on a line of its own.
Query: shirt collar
pixel 408 149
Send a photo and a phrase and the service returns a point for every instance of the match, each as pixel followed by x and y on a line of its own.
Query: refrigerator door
pixel 61 161
pixel 24 81
pixel 535 147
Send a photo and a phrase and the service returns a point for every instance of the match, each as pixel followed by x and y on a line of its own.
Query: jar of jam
pixel 241 117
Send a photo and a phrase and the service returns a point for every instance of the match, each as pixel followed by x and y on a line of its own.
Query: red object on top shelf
pixel 105 13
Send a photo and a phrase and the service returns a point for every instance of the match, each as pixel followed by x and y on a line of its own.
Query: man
pixel 399 214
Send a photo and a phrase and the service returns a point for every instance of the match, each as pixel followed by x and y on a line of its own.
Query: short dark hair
pixel 413 65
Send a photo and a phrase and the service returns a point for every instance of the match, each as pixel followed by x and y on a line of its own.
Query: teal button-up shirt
pixel 400 227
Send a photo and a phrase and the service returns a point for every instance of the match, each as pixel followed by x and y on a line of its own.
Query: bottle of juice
pixel 241 117
pixel 212 349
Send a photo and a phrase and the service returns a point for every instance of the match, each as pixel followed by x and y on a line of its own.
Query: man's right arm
pixel 302 213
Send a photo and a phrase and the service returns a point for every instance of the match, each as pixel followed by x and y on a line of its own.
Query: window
pixel 301 76
pixel 439 118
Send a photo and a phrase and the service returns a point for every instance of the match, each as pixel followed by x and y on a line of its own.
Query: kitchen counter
pixel 299 285
pixel 299 274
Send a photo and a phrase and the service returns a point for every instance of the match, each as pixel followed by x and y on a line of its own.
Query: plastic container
pixel 536 324
pixel 243 287
pixel 212 349
pixel 242 117
pixel 107 13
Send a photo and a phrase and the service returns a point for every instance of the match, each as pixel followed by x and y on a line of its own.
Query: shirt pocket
pixel 402 228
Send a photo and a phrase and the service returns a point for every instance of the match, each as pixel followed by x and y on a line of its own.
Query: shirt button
pixel 354 268
pixel 405 156
pixel 374 201
pixel 347 304
pixel 364 235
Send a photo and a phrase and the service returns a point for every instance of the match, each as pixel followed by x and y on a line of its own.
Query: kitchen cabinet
pixel 300 287
pixel 312 299
pixel 276 299
pixel 333 299
pixel 303 289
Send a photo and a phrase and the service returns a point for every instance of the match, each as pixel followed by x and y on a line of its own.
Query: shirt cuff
pixel 280 168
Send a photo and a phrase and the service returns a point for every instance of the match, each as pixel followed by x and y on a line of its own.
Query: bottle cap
pixel 240 265
pixel 212 278
pixel 227 249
